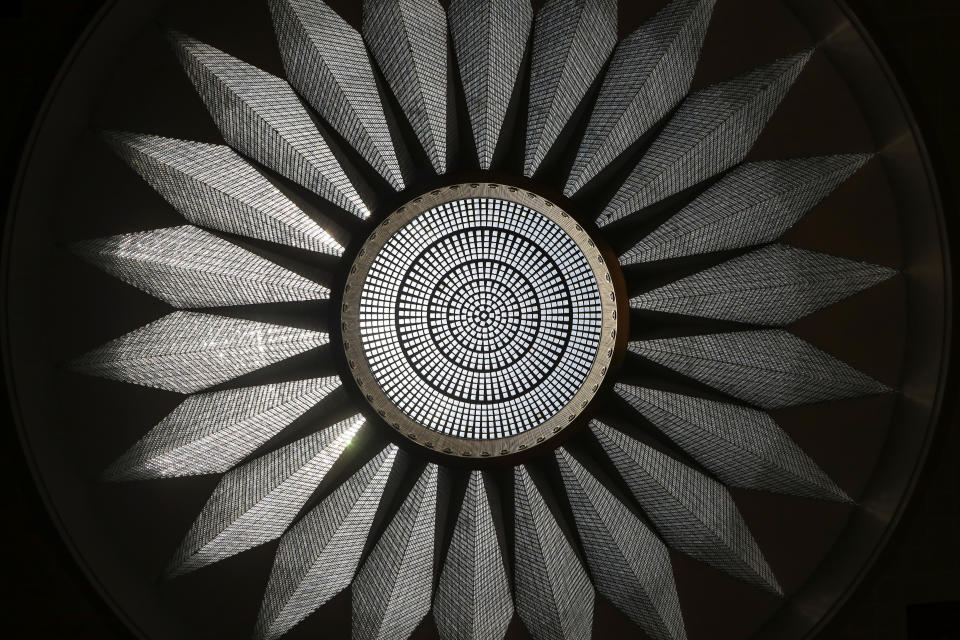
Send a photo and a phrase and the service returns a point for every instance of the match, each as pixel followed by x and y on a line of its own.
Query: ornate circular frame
pixel 464 447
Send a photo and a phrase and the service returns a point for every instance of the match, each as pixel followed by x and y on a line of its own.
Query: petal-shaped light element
pixel 490 39
pixel 649 74
pixel 712 130
pixel 319 555
pixel 769 368
pixel 572 40
pixel 189 267
pixel 212 432
pixel 392 592
pixel 692 512
pixel 553 592
pixel 473 599
pixel 188 352
pixel 630 565
pixel 326 60
pixel 774 285
pixel 408 39
pixel 255 503
pixel 213 187
pixel 259 115
pixel 753 204
pixel 741 446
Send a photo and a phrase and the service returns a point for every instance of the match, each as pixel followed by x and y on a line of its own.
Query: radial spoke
pixel 553 592
pixel 188 352
pixel 392 592
pixel 408 39
pixel 774 285
pixel 326 60
pixel 189 267
pixel 753 204
pixel 255 503
pixel 318 557
pixel 490 39
pixel 572 40
pixel 212 186
pixel 212 432
pixel 473 599
pixel 650 73
pixel 770 368
pixel 692 512
pixel 260 115
pixel 743 447
pixel 713 130
pixel 630 565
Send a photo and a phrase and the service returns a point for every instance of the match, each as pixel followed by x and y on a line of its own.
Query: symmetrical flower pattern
pixel 527 559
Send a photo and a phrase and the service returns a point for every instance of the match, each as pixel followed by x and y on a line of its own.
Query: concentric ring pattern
pixel 481 302
pixel 480 318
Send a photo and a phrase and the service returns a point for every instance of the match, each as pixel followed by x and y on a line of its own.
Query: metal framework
pixel 479 320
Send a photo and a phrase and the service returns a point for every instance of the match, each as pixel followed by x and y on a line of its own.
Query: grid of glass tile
pixel 480 318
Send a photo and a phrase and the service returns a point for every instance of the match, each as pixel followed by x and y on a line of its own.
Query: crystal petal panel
pixel 554 597
pixel 408 39
pixel 753 204
pixel 255 503
pixel 392 592
pixel 713 130
pixel 212 432
pixel 259 115
pixel 571 42
pixel 213 187
pixel 629 564
pixel 649 74
pixel 473 599
pixel 189 267
pixel 692 512
pixel 743 447
pixel 319 555
pixel 490 39
pixel 774 285
pixel 188 352
pixel 769 368
pixel 326 60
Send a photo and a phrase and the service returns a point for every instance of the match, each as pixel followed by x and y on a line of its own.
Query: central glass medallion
pixel 479 319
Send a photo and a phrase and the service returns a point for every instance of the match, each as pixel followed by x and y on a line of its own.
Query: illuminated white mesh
pixel 480 318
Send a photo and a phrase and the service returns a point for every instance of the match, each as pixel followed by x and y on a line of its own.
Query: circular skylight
pixel 479 313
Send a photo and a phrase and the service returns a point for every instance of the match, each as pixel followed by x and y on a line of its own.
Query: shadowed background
pixel 903 596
